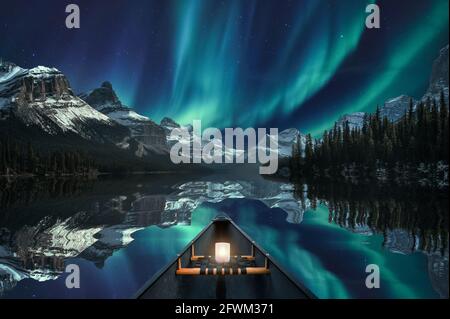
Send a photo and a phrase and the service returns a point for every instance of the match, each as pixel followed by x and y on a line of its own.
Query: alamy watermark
pixel 373 19
pixel 373 279
pixel 193 146
pixel 73 17
pixel 73 279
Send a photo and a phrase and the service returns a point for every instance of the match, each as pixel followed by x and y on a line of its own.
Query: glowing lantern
pixel 222 253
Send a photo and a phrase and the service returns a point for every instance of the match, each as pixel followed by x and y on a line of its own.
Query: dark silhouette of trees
pixel 17 158
pixel 420 138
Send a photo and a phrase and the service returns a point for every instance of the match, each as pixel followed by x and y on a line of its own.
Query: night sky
pixel 241 63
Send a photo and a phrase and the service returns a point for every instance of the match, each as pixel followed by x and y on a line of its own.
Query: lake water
pixel 121 231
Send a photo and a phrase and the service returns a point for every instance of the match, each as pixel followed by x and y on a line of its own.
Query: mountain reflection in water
pixel 122 231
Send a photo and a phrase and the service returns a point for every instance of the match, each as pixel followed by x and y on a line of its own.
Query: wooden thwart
pixel 200 257
pixel 222 270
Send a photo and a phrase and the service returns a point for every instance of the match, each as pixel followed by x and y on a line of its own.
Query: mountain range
pixel 395 108
pixel 39 106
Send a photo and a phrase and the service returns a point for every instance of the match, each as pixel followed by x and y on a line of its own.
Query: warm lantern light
pixel 222 253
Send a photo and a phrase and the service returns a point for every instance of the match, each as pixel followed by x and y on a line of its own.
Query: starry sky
pixel 259 63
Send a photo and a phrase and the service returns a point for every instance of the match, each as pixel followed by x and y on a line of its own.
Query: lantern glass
pixel 222 253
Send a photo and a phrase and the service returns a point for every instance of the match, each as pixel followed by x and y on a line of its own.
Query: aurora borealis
pixel 257 63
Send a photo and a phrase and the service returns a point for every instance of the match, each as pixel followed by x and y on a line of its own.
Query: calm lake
pixel 121 231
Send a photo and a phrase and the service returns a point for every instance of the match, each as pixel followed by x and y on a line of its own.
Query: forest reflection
pixel 421 214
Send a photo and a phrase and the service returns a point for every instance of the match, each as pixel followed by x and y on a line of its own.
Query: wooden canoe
pixel 250 274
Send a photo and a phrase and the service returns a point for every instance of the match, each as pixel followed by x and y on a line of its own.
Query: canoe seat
pixel 238 265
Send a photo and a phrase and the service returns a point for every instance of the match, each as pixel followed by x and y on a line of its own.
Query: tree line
pixel 18 158
pixel 420 137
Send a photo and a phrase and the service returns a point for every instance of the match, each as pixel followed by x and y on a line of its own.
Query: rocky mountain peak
pixel 439 76
pixel 168 122
pixel 107 85
pixel 150 136
pixel 6 67
pixel 394 109
pixel 36 84
pixel 355 120
pixel 103 97
pixel 41 97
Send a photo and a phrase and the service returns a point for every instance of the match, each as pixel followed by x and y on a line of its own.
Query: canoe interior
pixel 276 285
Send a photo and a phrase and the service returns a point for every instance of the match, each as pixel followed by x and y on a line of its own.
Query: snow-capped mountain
pixel 355 120
pixel 150 135
pixel 38 106
pixel 273 194
pixel 168 125
pixel 286 139
pixel 41 97
pixel 394 109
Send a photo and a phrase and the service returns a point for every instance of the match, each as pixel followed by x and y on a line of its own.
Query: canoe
pixel 223 262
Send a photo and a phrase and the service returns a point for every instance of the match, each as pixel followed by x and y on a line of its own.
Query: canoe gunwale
pixel 156 276
pixel 173 261
pixel 305 290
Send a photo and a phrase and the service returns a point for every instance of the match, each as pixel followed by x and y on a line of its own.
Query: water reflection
pixel 45 224
pixel 410 220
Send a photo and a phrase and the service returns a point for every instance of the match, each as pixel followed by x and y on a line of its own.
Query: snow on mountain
pixel 273 194
pixel 43 72
pixel 150 135
pixel 394 109
pixel 355 120
pixel 168 124
pixel 67 241
pixel 42 97
pixel 9 71
pixel 286 139
pixel 127 117
pixel 66 114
